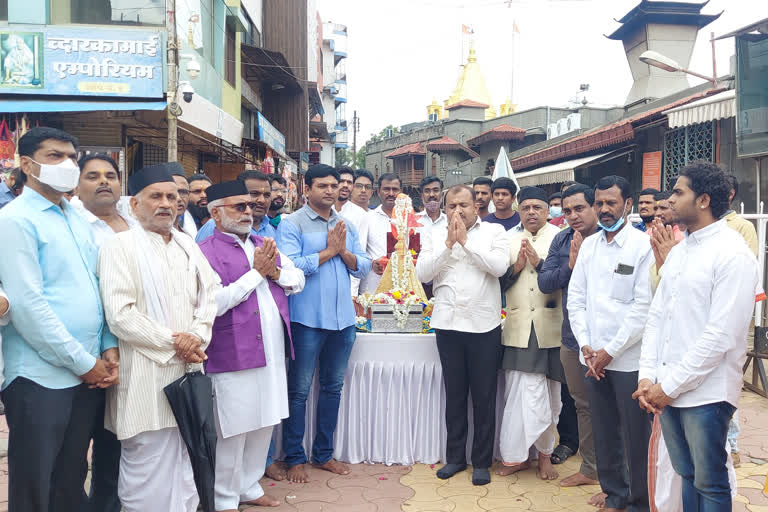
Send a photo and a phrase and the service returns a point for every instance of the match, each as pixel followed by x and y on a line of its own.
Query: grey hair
pixel 214 204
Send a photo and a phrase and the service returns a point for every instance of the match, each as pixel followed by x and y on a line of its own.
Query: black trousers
pixel 621 430
pixel 568 423
pixel 470 362
pixel 105 465
pixel 49 433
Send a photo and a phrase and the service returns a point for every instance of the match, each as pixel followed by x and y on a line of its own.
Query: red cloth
pixel 558 221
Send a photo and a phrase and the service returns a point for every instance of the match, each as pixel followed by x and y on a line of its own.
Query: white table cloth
pixel 392 404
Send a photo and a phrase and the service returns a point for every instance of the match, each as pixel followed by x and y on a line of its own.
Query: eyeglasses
pixel 360 186
pixel 183 192
pixel 241 207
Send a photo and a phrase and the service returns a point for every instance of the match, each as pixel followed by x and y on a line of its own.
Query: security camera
pixel 193 69
pixel 187 91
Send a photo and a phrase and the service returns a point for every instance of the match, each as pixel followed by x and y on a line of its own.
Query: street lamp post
pixel 660 61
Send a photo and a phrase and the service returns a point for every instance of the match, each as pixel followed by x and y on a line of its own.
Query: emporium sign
pixel 82 62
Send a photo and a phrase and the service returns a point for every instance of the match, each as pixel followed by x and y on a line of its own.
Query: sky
pixel 402 54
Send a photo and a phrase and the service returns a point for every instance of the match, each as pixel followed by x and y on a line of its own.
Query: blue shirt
pixel 264 229
pixel 6 194
pixel 326 302
pixel 57 327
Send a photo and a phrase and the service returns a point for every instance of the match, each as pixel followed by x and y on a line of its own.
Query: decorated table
pixel 392 404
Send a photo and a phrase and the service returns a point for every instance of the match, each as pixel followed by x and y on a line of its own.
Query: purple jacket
pixel 236 343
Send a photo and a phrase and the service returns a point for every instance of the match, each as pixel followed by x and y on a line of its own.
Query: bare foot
pixel 264 501
pixel 505 470
pixel 334 466
pixel 577 479
pixel 298 474
pixel 546 469
pixel 275 471
pixel 598 500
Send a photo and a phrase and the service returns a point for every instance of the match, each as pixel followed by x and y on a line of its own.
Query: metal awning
pixel 265 67
pixel 555 173
pixel 36 104
pixel 718 106
pixel 319 130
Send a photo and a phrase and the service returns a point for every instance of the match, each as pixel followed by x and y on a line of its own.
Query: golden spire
pixel 471 84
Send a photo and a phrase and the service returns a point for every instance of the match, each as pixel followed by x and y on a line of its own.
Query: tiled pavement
pixel 378 488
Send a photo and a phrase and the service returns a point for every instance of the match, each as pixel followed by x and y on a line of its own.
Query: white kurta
pixel 532 407
pixel 266 401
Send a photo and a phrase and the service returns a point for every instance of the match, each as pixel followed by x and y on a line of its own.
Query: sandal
pixel 561 454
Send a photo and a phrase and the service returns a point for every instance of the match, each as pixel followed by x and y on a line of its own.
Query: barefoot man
pixel 328 251
pixel 531 338
pixel 246 358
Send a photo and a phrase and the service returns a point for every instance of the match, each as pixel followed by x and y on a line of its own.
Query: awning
pixel 555 173
pixel 265 67
pixel 718 106
pixel 81 105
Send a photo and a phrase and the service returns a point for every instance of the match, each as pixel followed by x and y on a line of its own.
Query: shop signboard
pixel 81 62
pixel 269 135
pixel 652 170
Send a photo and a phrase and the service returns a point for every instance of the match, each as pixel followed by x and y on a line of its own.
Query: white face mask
pixel 61 177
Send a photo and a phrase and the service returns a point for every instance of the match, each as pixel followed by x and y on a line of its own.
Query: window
pixel 3 10
pixel 685 145
pixel 751 95
pixel 114 12
pixel 251 36
pixel 230 56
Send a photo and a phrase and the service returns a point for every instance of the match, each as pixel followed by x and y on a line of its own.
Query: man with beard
pixel 350 212
pixel 666 216
pixel 261 192
pixel 279 192
pixel 531 338
pixel 464 261
pixel 362 189
pixel 431 190
pixel 160 301
pixel 646 207
pixel 198 201
pixel 504 193
pixel 482 188
pixel 704 304
pixel 379 223
pixel 246 358
pixel 556 274
pixel 184 220
pixel 98 198
pixel 608 299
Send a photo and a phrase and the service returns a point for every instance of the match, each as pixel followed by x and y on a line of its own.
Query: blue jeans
pixel 270 454
pixel 329 350
pixel 695 438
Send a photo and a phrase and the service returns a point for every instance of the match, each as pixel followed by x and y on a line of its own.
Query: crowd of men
pixel 608 328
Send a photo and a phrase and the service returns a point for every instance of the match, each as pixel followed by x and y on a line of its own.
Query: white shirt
pixel 188 226
pixel 266 402
pixel 426 222
pixel 694 342
pixel 379 224
pixel 356 216
pixel 609 295
pixel 101 230
pixel 465 279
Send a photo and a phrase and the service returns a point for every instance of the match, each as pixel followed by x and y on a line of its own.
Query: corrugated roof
pixel 417 148
pixel 446 144
pixel 467 103
pixel 501 132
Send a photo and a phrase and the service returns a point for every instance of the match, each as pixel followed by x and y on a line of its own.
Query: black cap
pixel 176 169
pixel 226 189
pixel 531 193
pixel 159 173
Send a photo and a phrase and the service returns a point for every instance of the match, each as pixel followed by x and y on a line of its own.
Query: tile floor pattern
pixel 379 488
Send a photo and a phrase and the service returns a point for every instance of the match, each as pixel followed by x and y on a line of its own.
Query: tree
pixel 343 157
pixel 383 134
pixel 360 161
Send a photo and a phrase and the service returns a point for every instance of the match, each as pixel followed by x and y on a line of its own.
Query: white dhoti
pixel 532 407
pixel 665 486
pixel 156 473
pixel 240 464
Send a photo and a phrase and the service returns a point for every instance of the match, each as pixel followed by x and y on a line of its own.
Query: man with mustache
pixel 160 301
pixel 98 199
pixel 646 207
pixel 504 193
pixel 431 190
pixel 482 188
pixel 184 220
pixel 198 201
pixel 279 193
pixel 261 192
pixel 350 212
pixel 362 189
pixel 379 225
pixel 608 299
pixel 531 338
pixel 246 357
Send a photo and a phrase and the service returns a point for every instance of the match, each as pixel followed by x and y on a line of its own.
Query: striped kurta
pixel 148 360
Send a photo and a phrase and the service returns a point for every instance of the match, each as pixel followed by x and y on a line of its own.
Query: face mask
pixel 616 226
pixel 555 211
pixel 61 177
pixel 432 206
